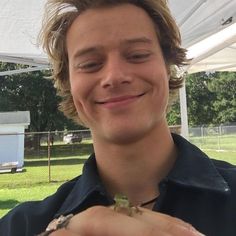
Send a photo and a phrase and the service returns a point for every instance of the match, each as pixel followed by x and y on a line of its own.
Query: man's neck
pixel 136 169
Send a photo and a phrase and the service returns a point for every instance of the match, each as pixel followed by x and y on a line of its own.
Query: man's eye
pixel 139 57
pixel 89 67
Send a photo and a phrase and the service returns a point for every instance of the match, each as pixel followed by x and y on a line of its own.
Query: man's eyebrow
pixel 137 40
pixel 85 51
pixel 93 49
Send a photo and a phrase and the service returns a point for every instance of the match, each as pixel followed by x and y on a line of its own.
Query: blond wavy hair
pixel 58 17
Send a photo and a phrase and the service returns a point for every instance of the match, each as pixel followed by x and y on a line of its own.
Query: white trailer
pixel 12 129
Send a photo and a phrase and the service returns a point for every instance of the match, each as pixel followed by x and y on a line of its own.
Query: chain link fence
pixel 44 156
pixel 221 138
pixel 60 155
pixel 56 143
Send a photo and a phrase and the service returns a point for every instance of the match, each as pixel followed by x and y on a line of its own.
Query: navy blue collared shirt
pixel 198 190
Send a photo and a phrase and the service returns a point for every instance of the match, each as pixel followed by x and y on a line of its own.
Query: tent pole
pixel 183 112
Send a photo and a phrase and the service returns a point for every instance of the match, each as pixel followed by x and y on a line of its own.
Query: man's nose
pixel 116 73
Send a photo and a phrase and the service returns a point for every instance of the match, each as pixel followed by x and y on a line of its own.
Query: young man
pixel 112 63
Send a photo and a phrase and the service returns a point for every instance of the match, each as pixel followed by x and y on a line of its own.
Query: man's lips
pixel 119 99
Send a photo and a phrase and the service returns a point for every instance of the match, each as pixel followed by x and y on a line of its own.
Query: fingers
pixel 169 224
pixel 103 221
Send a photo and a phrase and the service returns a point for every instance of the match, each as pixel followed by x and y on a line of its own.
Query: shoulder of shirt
pixel 224 165
pixel 227 171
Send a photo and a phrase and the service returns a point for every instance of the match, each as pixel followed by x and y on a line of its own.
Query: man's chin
pixel 125 137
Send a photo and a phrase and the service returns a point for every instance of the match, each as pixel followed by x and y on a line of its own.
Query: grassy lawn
pixel 9 198
pixel 218 147
pixel 33 182
pixel 229 156
pixel 223 142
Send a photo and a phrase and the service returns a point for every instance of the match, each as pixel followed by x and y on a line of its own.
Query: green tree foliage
pixel 223 85
pixel 173 116
pixel 31 91
pixel 211 99
pixel 199 99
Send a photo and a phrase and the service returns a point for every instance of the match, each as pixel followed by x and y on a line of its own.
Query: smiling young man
pixel 112 64
pixel 119 85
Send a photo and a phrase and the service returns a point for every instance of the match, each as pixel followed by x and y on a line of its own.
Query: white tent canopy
pixel 19 25
pixel 208 29
pixel 203 25
pixel 217 52
pixel 198 19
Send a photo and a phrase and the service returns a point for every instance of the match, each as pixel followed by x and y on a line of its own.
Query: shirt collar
pixel 193 168
pixel 89 183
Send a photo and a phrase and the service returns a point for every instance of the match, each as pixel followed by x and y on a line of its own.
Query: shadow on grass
pixel 8 204
pixel 68 161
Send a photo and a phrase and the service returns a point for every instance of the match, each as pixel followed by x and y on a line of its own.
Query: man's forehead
pixel 108 10
pixel 111 27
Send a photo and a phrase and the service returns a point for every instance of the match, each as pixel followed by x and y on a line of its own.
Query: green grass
pixel 9 198
pixel 33 182
pixel 39 175
pixel 218 147
pixel 229 156
pixel 223 142
pixel 62 167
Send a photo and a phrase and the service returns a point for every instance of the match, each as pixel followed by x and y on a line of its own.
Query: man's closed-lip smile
pixel 119 101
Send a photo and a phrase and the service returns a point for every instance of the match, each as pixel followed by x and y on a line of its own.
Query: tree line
pixel 33 92
pixel 210 97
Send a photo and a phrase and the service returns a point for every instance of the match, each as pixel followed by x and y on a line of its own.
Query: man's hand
pixel 104 221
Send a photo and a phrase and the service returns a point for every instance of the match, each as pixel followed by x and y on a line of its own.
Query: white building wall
pixel 12 144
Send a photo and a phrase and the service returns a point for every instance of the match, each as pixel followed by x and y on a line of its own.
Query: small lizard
pixel 123 205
